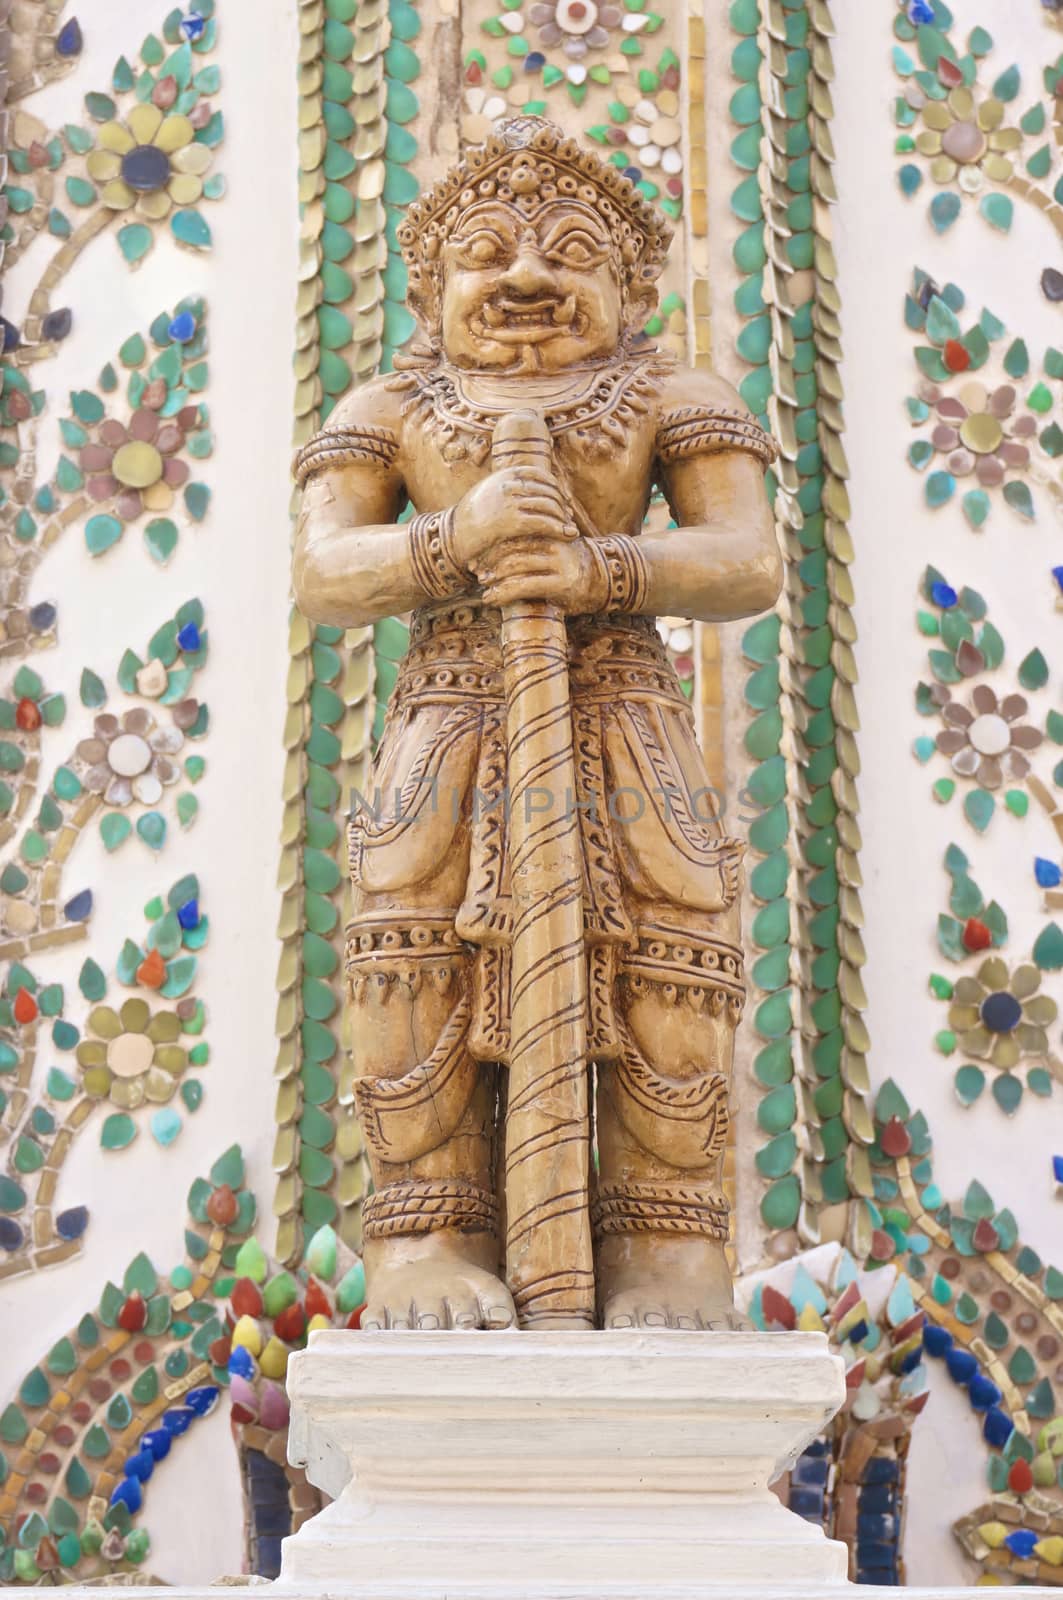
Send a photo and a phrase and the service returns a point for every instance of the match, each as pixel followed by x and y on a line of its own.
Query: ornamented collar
pixel 598 413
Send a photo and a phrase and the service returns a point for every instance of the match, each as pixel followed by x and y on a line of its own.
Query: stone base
pixel 486 1466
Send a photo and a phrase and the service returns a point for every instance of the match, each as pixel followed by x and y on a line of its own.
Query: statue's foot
pixel 652 1281
pixel 431 1283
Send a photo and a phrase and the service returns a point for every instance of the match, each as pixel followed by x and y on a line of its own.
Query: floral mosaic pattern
pixel 132 760
pixel 125 452
pixel 141 159
pixel 124 457
pixel 990 736
pixel 998 1014
pixel 642 123
pixel 600 71
pixel 143 1050
pixel 963 132
pixel 990 437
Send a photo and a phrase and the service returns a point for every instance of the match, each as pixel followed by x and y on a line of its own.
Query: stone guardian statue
pixel 544 959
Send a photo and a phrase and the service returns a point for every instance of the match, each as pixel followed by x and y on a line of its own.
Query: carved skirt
pixel 429 840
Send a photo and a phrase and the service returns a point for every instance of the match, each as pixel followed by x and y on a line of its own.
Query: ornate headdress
pixel 526 161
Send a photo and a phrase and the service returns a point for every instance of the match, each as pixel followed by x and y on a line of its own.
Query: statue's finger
pixel 543 488
pixel 538 475
pixel 549 510
pixel 523 562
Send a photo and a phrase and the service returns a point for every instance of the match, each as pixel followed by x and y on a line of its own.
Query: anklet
pixel 424 1205
pixel 660 1208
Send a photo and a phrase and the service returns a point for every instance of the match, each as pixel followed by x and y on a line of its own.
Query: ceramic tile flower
pixel 966 140
pixel 984 434
pixel 977 432
pixel 984 740
pixel 957 119
pixel 136 464
pixel 999 1016
pixel 576 25
pixel 150 162
pixel 129 759
pixel 131 454
pixel 651 136
pixel 132 1055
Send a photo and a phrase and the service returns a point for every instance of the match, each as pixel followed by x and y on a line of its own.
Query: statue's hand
pixel 515 503
pixel 563 571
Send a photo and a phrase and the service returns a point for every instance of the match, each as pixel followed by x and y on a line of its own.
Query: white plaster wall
pixel 237 562
pixel 880 238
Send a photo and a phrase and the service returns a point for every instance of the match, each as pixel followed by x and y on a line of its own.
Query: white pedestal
pixel 588 1466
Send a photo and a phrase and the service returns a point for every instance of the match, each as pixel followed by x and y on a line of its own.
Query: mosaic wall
pixel 852 1234
pixel 845 1161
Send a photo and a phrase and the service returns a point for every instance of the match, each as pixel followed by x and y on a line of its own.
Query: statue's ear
pixel 424 296
pixel 640 303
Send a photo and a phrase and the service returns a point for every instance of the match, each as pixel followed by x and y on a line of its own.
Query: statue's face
pixel 530 294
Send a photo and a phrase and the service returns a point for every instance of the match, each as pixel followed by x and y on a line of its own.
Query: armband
pixel 341 447
pixel 702 430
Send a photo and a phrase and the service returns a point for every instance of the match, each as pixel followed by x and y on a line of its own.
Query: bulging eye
pixel 482 250
pixel 579 249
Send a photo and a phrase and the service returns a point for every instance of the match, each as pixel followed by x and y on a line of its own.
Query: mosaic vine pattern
pixel 91 1424
pixel 802 737
pixel 119 1052
pixel 995 1320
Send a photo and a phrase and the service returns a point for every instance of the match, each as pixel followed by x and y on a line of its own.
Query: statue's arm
pixel 354 563
pixel 722 561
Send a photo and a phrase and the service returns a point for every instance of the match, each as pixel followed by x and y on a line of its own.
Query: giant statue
pixel 544 958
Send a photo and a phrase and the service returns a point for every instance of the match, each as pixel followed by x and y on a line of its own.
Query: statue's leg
pixel 428 1113
pixel 660 1214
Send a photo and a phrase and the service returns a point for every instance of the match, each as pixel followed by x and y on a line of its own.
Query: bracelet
pixel 623 569
pixel 701 430
pixel 660 1208
pixel 414 1206
pixel 435 566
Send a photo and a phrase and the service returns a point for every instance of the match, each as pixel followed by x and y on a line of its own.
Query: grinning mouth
pixel 523 320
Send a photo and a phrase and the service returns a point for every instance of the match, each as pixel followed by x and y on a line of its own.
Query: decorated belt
pixel 455 655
